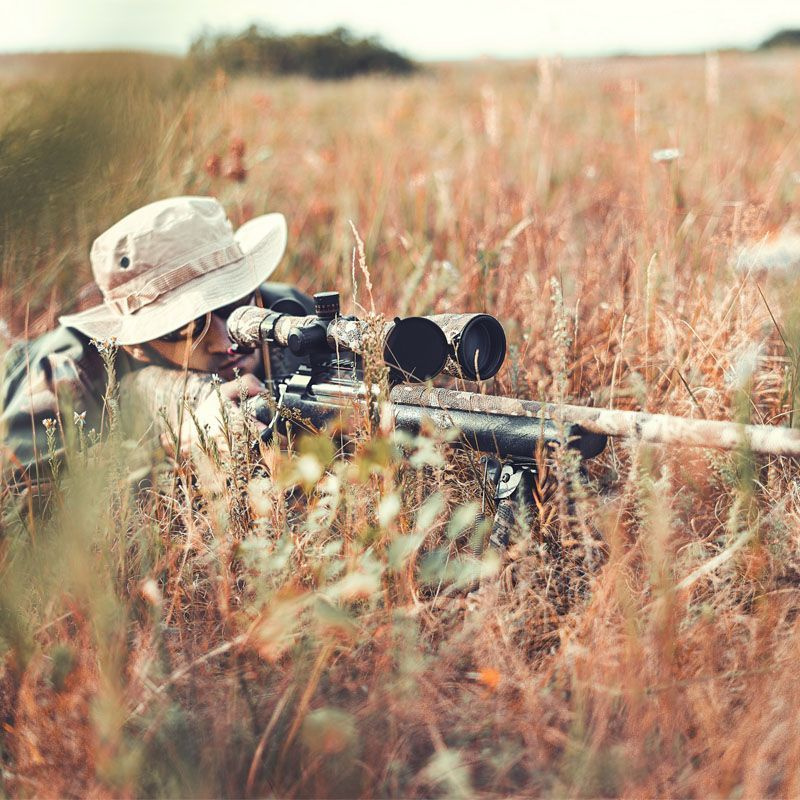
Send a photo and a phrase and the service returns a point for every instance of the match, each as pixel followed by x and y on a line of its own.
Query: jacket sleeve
pixel 47 378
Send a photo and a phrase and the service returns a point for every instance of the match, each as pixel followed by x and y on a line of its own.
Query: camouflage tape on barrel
pixel 640 425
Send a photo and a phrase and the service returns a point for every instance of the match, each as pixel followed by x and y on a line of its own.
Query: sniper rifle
pixel 330 374
pixel 331 379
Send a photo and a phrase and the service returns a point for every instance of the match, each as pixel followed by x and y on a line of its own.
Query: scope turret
pixel 326 305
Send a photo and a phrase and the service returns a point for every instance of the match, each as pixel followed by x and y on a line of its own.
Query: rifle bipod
pixel 517 489
pixel 512 484
pixel 520 490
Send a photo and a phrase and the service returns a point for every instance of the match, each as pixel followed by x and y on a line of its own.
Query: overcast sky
pixel 426 29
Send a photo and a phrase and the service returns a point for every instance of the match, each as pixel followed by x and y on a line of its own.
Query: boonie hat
pixel 174 260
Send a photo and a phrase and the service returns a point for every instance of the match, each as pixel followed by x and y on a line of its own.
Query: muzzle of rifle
pixel 415 348
pixel 476 342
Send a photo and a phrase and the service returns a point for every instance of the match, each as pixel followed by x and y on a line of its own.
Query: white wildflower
pixel 309 470
pixel 105 346
pixel 665 155
pixel 151 592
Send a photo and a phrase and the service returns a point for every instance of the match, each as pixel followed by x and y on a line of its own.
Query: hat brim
pixel 263 243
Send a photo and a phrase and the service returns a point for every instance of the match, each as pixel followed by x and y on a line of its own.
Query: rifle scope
pixel 415 348
pixel 477 344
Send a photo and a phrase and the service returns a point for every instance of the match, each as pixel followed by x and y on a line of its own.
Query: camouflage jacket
pixel 62 374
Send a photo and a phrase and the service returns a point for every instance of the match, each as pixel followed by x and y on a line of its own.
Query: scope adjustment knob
pixel 326 304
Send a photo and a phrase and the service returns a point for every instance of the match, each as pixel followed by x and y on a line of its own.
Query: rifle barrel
pixel 501 434
pixel 660 428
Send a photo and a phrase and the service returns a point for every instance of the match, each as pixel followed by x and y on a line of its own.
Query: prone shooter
pixel 185 298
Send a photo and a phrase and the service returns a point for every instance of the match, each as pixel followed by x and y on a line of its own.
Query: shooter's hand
pixel 210 414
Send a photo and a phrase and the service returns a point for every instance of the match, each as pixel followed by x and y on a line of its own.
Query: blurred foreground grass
pixel 81 141
pixel 310 634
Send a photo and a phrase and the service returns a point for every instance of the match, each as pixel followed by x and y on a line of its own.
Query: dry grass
pixel 252 640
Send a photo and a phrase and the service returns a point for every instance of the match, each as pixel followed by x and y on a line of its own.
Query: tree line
pixel 334 55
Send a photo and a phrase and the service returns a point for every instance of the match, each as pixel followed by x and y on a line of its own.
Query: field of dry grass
pixel 253 640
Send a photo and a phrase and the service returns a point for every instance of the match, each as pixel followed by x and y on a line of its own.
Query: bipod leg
pixel 513 497
pixel 511 484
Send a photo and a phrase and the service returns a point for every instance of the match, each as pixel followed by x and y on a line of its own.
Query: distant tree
pixel 789 37
pixel 334 55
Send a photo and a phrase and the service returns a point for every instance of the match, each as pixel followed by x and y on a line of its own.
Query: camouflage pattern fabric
pixel 44 379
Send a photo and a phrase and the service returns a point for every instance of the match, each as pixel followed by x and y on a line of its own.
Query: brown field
pixel 253 640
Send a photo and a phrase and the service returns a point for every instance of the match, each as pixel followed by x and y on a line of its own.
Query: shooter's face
pixel 209 353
